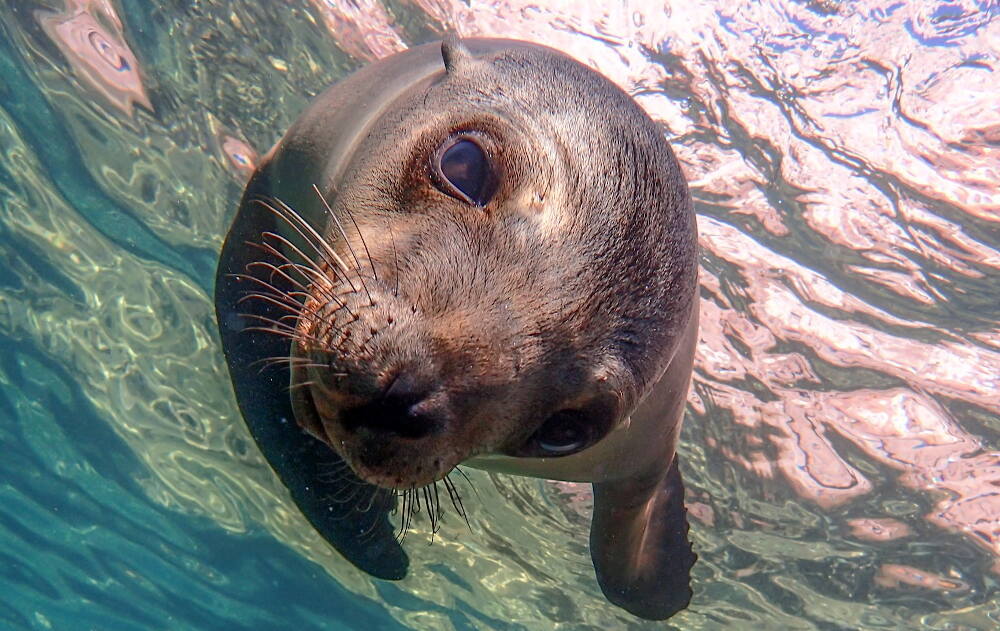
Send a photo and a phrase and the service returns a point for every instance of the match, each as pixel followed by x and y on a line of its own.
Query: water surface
pixel 841 448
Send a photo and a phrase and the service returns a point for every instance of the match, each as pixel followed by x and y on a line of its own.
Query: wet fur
pixel 574 287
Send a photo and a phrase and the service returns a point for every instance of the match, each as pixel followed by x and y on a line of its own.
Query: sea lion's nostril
pixel 397 411
pixel 404 390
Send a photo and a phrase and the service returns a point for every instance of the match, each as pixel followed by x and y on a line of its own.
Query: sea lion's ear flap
pixel 454 53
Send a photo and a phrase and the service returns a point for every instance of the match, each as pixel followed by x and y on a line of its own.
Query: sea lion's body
pixel 496 266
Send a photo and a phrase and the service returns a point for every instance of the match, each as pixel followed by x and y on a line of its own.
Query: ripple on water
pixel 841 453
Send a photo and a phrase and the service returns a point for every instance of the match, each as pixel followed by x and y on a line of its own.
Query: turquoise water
pixel 841 450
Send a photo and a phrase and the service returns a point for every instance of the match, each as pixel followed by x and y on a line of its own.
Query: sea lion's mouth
pixel 386 424
pixel 392 461
pixel 388 441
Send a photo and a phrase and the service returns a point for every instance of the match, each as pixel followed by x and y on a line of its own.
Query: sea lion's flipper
pixel 343 509
pixel 640 546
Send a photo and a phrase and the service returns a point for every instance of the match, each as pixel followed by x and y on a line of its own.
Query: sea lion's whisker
pixel 269 299
pixel 347 240
pixel 430 510
pixel 311 265
pixel 371 500
pixel 401 508
pixel 412 501
pixel 306 261
pixel 290 298
pixel 386 505
pixel 277 291
pixel 456 500
pixel 395 509
pixel 471 485
pixel 306 365
pixel 385 498
pixel 336 473
pixel 355 488
pixel 304 293
pixel 336 465
pixel 430 513
pixel 287 299
pixel 345 496
pixel 363 243
pixel 335 477
pixel 367 340
pixel 395 260
pixel 414 506
pixel 295 222
pixel 292 337
pixel 411 510
pixel 282 328
pixel 439 513
pixel 282 325
pixel 277 269
pixel 283 259
pixel 306 231
pixel 367 532
pixel 299 384
pixel 310 365
pixel 298 362
pixel 344 515
pixel 317 277
pixel 281 358
pixel 264 329
pixel 350 491
pixel 323 247
pixel 309 269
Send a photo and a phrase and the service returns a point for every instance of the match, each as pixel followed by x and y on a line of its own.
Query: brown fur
pixel 571 289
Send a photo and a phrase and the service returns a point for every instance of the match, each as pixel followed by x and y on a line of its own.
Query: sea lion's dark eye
pixel 563 433
pixel 466 172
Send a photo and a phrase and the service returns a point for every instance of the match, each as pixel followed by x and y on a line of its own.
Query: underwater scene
pixel 841 443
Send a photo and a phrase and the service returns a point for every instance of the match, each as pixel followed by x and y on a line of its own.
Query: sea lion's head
pixel 504 268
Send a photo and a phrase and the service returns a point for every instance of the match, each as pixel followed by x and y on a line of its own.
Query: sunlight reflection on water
pixel 841 453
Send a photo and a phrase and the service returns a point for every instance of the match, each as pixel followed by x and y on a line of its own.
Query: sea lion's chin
pixel 391 461
pixel 400 464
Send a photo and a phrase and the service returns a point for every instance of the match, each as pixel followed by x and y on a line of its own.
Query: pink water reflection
pixel 90 35
pixel 878 123
pixel 233 151
pixel 362 28
pixel 878 529
pixel 896 576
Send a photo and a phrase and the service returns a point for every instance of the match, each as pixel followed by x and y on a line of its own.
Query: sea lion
pixel 479 252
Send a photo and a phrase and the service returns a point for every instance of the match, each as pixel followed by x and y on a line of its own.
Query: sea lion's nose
pixel 400 410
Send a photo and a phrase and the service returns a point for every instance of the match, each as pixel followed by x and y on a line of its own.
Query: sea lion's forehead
pixel 557 150
pixel 568 204
pixel 564 172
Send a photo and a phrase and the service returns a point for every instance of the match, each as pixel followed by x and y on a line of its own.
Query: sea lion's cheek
pixel 325 407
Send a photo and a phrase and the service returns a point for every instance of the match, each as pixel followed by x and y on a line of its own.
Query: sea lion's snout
pixel 377 378
pixel 399 422
pixel 404 410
